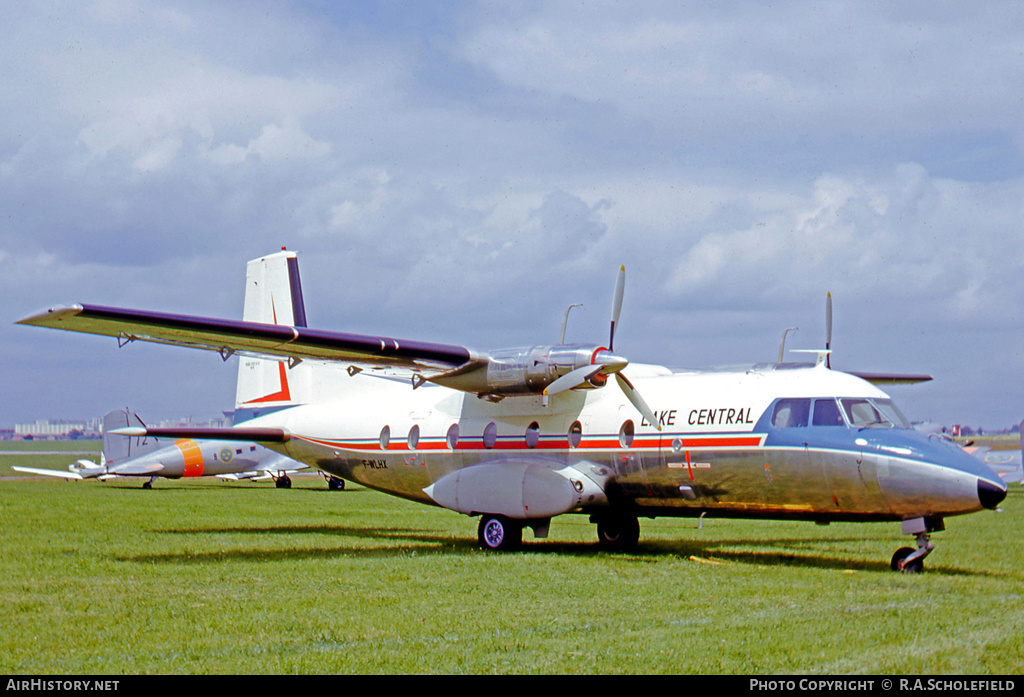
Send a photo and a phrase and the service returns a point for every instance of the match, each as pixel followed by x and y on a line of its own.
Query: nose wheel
pixel 909 560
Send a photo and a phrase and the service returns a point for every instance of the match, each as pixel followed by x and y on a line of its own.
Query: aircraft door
pixel 842 460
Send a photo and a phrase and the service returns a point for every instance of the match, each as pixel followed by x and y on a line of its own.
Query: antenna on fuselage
pixel 565 321
pixel 782 344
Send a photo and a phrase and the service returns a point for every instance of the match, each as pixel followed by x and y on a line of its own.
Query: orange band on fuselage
pixel 193 457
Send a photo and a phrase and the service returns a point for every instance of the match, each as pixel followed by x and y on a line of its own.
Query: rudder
pixel 273 295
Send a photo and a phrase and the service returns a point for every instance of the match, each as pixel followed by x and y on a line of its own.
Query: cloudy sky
pixel 462 171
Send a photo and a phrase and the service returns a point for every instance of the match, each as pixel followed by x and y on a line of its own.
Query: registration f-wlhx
pixel 520 436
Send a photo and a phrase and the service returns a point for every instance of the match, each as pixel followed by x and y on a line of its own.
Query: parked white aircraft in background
pixel 520 436
pixel 1007 464
pixel 151 458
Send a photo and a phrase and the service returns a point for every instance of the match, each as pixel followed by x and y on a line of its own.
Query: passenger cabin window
pixel 575 434
pixel 532 435
pixel 490 435
pixel 826 413
pixel 791 413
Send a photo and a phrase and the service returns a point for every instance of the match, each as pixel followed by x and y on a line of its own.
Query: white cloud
pixel 469 178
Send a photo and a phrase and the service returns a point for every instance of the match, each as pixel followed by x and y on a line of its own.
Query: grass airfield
pixel 204 576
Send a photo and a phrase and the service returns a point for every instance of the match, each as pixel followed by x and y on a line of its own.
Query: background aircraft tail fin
pixel 273 295
pixel 117 449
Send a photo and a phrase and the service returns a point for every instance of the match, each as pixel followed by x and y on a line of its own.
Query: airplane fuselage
pixel 723 449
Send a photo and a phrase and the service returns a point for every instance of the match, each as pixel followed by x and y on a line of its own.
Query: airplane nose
pixel 990 495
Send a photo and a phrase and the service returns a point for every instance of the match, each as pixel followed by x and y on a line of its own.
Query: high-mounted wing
pixel 228 337
pixel 543 370
pixel 890 378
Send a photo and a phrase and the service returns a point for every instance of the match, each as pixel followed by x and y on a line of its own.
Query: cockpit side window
pixel 863 413
pixel 791 413
pixel 826 413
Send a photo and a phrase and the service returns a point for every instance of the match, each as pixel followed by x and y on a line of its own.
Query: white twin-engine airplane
pixel 152 458
pixel 519 436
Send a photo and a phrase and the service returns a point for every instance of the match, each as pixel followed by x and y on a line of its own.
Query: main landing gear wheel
pixel 618 533
pixel 335 484
pixel 498 533
pixel 284 482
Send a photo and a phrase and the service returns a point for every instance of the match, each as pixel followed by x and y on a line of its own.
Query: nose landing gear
pixel 909 560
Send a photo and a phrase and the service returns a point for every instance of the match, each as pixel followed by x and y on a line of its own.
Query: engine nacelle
pixel 531 370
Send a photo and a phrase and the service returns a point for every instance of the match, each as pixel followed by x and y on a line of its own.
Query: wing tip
pixel 51 315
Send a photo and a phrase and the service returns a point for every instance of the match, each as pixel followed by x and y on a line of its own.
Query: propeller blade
pixel 570 380
pixel 620 285
pixel 637 401
pixel 828 328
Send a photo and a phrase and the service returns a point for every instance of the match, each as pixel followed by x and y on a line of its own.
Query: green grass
pixel 204 576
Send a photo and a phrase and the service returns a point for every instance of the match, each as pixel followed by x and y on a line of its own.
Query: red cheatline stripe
pixel 551 443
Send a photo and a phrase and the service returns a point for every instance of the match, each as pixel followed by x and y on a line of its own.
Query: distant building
pixel 60 430
pixel 71 429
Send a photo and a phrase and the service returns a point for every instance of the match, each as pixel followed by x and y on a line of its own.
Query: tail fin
pixel 117 449
pixel 273 295
pixel 273 291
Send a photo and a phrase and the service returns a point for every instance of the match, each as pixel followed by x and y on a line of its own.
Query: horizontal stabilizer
pixel 65 474
pixel 255 435
pixel 228 337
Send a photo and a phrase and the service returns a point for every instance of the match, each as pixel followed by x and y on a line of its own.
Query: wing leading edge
pixel 228 337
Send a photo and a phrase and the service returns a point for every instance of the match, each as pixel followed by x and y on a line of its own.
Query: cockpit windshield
pixel 878 413
pixel 895 415
pixel 829 411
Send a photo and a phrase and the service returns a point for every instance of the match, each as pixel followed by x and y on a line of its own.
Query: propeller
pixel 605 362
pixel 828 329
pixel 620 287
pixel 636 400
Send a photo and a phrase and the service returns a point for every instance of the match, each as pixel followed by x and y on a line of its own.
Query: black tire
pixel 914 567
pixel 336 484
pixel 499 534
pixel 618 533
pixel 283 483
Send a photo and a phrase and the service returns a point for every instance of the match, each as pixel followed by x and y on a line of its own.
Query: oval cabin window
pixel 575 434
pixel 532 435
pixel 490 435
pixel 626 434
